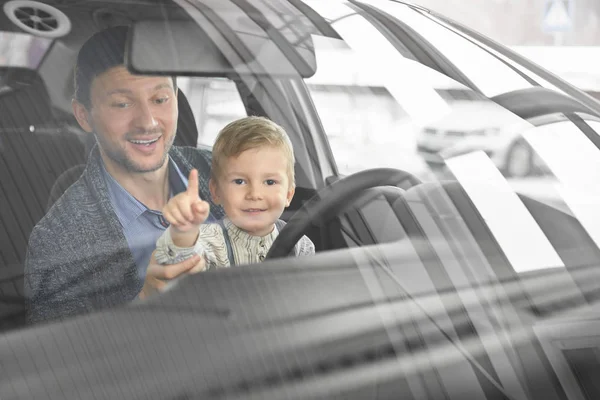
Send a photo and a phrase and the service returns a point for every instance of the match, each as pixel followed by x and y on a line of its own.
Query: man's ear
pixel 212 186
pixel 82 116
pixel 290 195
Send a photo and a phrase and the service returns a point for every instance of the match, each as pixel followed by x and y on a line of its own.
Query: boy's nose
pixel 253 192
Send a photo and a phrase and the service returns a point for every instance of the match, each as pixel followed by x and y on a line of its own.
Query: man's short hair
pixel 251 133
pixel 101 52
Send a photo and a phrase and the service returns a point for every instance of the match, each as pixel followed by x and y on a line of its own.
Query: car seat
pixel 36 146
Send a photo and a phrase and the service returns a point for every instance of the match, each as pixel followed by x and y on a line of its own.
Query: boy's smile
pixel 254 210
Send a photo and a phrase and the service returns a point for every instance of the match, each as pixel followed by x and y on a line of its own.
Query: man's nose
pixel 145 117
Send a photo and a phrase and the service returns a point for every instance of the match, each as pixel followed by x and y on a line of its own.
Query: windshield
pixel 398 88
pixel 438 205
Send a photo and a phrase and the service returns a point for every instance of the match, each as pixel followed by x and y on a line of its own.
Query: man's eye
pixel 271 182
pixel 162 100
pixel 238 181
pixel 120 105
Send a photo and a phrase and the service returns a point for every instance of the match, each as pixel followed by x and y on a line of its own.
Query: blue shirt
pixel 142 226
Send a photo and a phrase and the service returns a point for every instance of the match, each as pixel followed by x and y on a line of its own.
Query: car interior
pixel 44 152
pixel 343 315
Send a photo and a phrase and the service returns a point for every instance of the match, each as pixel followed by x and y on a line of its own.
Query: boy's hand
pixel 186 211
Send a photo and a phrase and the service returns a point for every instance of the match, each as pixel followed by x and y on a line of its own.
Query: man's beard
pixel 119 155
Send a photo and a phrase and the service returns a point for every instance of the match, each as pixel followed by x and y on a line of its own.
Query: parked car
pixel 478 126
pixel 480 286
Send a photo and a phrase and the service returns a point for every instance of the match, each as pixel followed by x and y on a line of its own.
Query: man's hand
pixel 186 212
pixel 159 276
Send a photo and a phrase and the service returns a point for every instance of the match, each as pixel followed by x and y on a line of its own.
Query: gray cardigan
pixel 78 259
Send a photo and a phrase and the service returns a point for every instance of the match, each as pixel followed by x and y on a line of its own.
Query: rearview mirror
pixel 184 48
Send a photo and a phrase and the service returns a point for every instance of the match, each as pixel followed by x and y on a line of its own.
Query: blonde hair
pixel 250 133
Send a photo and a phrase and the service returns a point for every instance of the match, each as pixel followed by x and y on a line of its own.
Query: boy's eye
pixel 270 182
pixel 238 181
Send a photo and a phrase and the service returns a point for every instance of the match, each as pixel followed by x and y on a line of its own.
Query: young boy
pixel 252 177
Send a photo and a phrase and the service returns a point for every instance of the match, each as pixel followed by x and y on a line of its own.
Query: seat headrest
pixel 187 131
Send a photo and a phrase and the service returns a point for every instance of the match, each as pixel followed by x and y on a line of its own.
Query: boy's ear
pixel 290 195
pixel 212 186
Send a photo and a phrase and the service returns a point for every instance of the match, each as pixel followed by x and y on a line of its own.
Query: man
pixel 94 248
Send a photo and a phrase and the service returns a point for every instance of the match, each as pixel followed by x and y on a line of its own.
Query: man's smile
pixel 145 142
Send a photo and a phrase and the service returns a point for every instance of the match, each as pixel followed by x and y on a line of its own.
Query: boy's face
pixel 254 189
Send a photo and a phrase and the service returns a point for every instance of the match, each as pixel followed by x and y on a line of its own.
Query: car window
pixel 377 102
pixel 22 50
pixel 488 73
pixel 215 102
pixel 397 112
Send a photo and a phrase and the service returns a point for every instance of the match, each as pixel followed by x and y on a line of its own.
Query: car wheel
pixel 519 160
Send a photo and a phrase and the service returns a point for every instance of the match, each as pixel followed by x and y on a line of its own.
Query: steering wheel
pixel 331 199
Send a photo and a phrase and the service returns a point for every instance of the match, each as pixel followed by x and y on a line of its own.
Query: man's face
pixel 134 118
pixel 254 189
